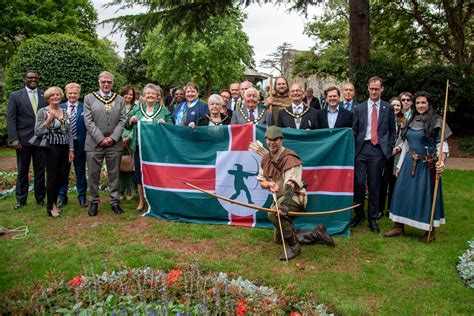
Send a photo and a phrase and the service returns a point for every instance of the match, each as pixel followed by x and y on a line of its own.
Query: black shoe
pixel 40 202
pixel 93 208
pixel 19 205
pixel 117 209
pixel 373 226
pixel 83 203
pixel 357 220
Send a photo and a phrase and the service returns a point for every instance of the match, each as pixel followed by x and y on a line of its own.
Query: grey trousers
pixel 94 165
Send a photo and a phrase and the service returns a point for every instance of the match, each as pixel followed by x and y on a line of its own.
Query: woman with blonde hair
pixel 53 125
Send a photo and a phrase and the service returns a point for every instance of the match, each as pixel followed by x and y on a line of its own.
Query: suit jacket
pixel 308 120
pixel 101 123
pixel 385 129
pixel 343 105
pixel 80 124
pixel 21 118
pixel 238 118
pixel 344 118
pixel 315 104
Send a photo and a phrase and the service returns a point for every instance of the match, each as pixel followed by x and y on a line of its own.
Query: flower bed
pixel 148 291
pixel 466 265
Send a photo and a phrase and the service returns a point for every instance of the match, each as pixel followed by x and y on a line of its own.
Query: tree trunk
pixel 359 36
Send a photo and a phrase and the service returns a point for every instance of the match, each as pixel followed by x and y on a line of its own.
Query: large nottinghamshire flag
pixel 216 159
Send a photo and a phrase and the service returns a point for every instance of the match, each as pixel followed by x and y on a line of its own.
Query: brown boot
pixel 397 230
pixel 277 237
pixel 293 248
pixel 425 236
pixel 322 237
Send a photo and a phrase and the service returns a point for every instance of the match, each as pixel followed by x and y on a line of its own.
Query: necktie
pixel 374 138
pixel 348 104
pixel 33 101
pixel 73 121
pixel 251 116
pixel 106 97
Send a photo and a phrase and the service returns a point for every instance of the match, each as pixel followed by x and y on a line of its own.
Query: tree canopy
pixel 22 19
pixel 213 57
pixel 59 59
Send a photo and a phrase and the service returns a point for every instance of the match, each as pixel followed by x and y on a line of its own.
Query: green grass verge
pixel 7 152
pixel 365 274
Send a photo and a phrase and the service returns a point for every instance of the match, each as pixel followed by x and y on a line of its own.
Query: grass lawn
pixel 7 152
pixel 364 274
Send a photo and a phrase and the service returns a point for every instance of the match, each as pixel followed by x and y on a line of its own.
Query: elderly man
pixel 104 115
pixel 348 93
pixel 334 115
pixel 281 173
pixel 374 132
pixel 21 117
pixel 310 100
pixel 235 97
pixel 298 115
pixel 75 110
pixel 279 99
pixel 249 112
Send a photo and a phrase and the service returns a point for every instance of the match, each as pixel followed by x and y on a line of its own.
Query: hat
pixel 273 132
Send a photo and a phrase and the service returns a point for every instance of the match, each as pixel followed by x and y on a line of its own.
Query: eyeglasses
pixel 406 100
pixel 296 90
pixel 106 82
pixel 32 78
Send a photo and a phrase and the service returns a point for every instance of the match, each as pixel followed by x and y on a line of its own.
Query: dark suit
pixel 370 159
pixel 352 105
pixel 79 156
pixel 315 104
pixel 344 118
pixel 308 119
pixel 21 120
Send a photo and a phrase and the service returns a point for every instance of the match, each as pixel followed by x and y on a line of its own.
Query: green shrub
pixel 431 78
pixel 59 59
pixel 467 145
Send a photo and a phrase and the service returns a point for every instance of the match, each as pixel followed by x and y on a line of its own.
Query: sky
pixel 267 27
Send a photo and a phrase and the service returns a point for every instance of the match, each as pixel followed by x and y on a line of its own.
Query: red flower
pixel 76 281
pixel 173 276
pixel 151 282
pixel 241 307
pixel 295 313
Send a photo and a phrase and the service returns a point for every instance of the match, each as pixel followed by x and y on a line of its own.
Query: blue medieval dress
pixel 413 193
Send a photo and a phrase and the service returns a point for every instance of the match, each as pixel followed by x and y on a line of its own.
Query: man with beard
pixel 249 112
pixel 298 115
pixel 279 99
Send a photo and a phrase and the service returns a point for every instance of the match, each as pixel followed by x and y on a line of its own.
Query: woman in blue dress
pixel 414 188
pixel 190 111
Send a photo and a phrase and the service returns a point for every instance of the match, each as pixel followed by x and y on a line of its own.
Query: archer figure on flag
pixel 239 183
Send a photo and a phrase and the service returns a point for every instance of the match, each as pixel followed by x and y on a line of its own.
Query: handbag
pixel 127 163
pixel 39 141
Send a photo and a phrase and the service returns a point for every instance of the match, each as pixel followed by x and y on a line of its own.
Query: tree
pixel 59 59
pixel 213 58
pixel 359 35
pixel 276 59
pixel 445 26
pixel 22 19
pixel 134 66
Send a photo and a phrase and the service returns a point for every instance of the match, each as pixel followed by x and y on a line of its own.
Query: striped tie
pixel 73 121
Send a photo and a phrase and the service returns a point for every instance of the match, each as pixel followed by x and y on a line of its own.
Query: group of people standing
pixel 391 139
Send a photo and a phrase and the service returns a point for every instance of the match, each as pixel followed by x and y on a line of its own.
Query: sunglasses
pixel 406 100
